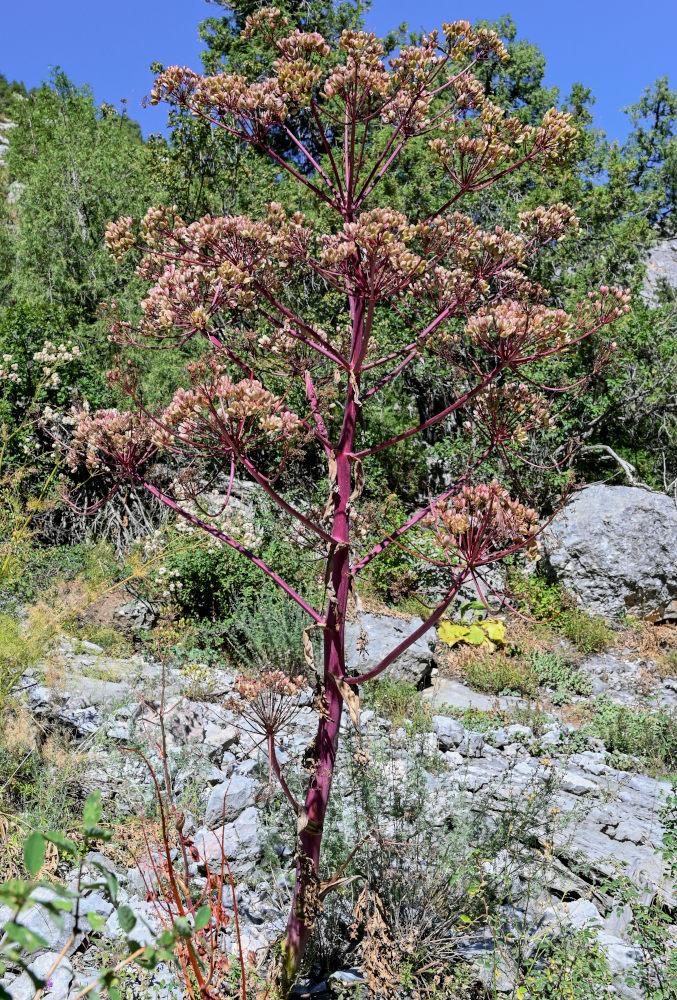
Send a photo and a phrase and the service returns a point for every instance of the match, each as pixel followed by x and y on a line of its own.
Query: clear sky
pixel 616 47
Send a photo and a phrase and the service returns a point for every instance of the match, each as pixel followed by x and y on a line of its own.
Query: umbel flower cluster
pixel 482 524
pixel 270 700
pixel 303 321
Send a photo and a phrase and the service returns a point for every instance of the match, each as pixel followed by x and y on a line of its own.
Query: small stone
pixel 91 647
pixel 23 988
pixel 578 785
pixel 449 732
pixel 218 739
pixel 229 799
pixel 551 738
pixel 472 744
pixel 627 830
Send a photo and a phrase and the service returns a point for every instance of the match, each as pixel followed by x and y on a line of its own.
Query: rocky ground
pixel 577 820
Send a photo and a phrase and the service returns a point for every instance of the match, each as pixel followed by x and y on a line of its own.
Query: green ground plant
pixel 630 734
pixel 556 672
pixel 400 702
pixel 554 610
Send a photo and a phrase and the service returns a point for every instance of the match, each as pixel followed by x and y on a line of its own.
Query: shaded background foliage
pixel 72 166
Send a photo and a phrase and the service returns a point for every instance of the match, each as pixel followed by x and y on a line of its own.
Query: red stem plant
pixel 272 383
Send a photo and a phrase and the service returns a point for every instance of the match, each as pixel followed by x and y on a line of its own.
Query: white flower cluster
pixel 52 356
pixel 235 523
pixel 153 544
pixel 168 579
pixel 9 370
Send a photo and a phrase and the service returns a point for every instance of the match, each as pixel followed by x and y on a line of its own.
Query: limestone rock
pixel 228 799
pixel 661 270
pixel 614 548
pixel 383 633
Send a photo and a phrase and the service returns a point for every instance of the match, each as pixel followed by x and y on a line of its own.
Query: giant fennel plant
pixel 273 384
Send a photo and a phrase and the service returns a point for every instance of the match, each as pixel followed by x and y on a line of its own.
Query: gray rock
pixel 219 739
pixel 472 744
pixel 147 926
pixel 454 694
pixel 552 738
pixel 229 799
pixel 136 615
pixel 613 547
pixel 240 841
pixel 91 647
pixel 383 633
pixel 450 732
pixel 627 830
pixel 661 269
pixel 23 988
pixel 38 920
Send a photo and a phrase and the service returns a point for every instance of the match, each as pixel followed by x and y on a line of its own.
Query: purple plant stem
pixel 300 923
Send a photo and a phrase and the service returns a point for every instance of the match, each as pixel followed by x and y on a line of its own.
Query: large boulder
pixel 661 270
pixel 371 637
pixel 615 549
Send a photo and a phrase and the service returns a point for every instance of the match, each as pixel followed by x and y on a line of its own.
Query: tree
pixel 277 381
pixel 73 165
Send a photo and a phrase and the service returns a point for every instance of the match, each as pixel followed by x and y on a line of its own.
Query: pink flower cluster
pixel 482 524
pixel 116 441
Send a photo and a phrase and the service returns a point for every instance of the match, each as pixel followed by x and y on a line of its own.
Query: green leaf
pixel 63 843
pixel 34 853
pixel 96 833
pixel 472 605
pixel 202 917
pixel 182 927
pixel 91 814
pixel 475 636
pixel 23 936
pixel 150 957
pixel 110 881
pixel 451 633
pixel 465 919
pixel 114 993
pixel 494 628
pixel 14 892
pixel 126 918
pixel 95 921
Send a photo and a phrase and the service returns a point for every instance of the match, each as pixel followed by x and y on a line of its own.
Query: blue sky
pixel 616 47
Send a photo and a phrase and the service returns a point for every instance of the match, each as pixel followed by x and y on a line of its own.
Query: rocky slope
pixel 577 821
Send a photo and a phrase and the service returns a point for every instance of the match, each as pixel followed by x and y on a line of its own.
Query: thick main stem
pixel 306 899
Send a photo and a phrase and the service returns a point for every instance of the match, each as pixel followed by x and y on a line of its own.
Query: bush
pixel 399 701
pixel 554 608
pixel 498 673
pixel 555 672
pixel 627 732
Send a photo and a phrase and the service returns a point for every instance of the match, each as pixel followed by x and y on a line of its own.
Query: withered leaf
pixel 352 700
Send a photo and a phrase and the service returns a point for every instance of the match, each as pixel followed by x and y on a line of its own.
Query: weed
pixel 497 673
pixel 399 701
pixel 111 641
pixel 635 733
pixel 555 672
pixel 553 608
pixel 38 774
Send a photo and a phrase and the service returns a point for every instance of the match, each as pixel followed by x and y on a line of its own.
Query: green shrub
pixel 498 673
pixel 399 701
pixel 555 672
pixel 553 607
pixel 627 732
